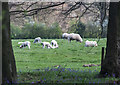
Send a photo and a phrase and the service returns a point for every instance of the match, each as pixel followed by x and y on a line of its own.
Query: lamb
pixel 54 43
pixel 90 43
pixel 24 44
pixel 73 36
pixel 47 44
pixel 37 40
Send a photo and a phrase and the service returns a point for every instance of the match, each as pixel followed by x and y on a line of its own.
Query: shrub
pixel 34 30
pixel 15 32
pixel 79 28
pixel 54 31
pixel 89 30
pixel 93 31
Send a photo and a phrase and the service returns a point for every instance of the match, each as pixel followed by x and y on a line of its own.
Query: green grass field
pixel 38 64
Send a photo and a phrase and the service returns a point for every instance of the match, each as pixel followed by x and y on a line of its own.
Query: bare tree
pixel 30 12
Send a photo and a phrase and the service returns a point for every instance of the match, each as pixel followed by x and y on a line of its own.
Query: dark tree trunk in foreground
pixel 111 64
pixel 118 39
pixel 8 61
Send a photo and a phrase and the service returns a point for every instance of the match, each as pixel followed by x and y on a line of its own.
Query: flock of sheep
pixel 54 44
pixel 38 40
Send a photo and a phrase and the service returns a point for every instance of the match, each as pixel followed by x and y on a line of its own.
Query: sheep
pixel 47 44
pixel 65 35
pixel 24 44
pixel 90 43
pixel 54 43
pixel 73 36
pixel 37 40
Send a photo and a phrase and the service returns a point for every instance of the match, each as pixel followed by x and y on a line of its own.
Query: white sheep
pixel 24 44
pixel 73 36
pixel 37 40
pixel 46 44
pixel 54 44
pixel 90 43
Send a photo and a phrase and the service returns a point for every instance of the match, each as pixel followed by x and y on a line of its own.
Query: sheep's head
pixel 81 41
pixel 41 43
pixel 96 45
pixel 21 46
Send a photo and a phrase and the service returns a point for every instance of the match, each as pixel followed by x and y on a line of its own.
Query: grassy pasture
pixel 39 65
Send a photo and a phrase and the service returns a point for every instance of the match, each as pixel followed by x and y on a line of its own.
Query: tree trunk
pixel 110 65
pixel 118 38
pixel 8 61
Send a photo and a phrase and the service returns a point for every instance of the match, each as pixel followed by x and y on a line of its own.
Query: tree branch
pixel 34 10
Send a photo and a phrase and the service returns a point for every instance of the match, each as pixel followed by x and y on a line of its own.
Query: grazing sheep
pixel 73 36
pixel 54 43
pixel 47 44
pixel 37 40
pixel 24 44
pixel 90 43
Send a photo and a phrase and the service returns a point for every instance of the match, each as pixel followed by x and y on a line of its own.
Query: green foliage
pixel 54 31
pixel 79 28
pixel 89 30
pixel 33 30
pixel 94 31
pixel 16 32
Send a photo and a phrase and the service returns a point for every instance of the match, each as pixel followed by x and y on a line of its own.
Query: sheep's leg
pixel 39 41
pixel 24 46
pixel 56 45
pixel 69 40
pixel 29 46
pixel 43 46
pixel 20 46
pixel 48 46
pixel 34 41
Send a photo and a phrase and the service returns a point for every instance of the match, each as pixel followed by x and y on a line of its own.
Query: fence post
pixel 102 57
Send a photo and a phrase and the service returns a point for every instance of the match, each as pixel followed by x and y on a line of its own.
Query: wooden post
pixel 102 57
